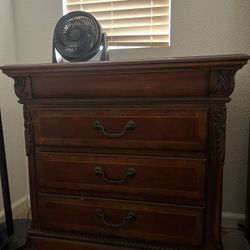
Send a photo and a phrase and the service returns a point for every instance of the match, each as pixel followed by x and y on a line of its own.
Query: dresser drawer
pixel 54 243
pixel 138 177
pixel 166 223
pixel 137 84
pixel 123 128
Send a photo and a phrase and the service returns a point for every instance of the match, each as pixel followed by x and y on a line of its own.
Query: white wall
pixel 35 21
pixel 11 112
pixel 198 28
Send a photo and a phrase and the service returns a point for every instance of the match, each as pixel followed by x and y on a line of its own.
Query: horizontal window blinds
pixel 129 22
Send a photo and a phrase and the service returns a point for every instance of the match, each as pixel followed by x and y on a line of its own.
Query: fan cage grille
pixel 77 36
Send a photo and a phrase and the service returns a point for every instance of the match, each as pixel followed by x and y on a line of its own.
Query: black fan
pixel 78 37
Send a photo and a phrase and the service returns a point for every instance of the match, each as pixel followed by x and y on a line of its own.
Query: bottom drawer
pixel 51 243
pixel 42 243
pixel 148 221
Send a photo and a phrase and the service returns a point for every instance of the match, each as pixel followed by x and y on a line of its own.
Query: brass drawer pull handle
pixel 100 215
pixel 100 172
pixel 129 126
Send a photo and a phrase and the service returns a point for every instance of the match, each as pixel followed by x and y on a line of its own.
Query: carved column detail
pixel 27 129
pixel 220 130
pixel 218 160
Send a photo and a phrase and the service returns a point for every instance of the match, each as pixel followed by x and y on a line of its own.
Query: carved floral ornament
pixel 20 87
pixel 225 82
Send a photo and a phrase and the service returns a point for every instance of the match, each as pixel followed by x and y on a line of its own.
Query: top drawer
pixel 122 84
pixel 176 129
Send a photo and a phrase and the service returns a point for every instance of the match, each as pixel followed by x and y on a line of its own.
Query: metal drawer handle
pixel 129 126
pixel 100 215
pixel 100 172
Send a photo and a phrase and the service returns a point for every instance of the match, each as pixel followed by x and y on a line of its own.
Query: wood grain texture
pixel 126 84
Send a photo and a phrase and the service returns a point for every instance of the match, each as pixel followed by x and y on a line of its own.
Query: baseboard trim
pixel 18 207
pixel 232 220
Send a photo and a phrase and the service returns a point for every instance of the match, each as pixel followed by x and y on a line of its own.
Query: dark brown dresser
pixel 127 154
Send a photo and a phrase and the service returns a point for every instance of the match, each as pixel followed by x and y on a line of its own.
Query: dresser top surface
pixel 237 60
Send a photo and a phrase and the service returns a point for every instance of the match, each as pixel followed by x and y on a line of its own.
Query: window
pixel 129 23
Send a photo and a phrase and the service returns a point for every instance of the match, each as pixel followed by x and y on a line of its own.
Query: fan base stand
pixel 105 52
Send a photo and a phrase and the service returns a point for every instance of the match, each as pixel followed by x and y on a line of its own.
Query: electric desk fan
pixel 78 37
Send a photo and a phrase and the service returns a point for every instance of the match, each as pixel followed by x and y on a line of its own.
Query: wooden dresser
pixel 127 154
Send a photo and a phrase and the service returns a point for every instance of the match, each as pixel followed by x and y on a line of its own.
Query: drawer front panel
pixel 146 84
pixel 141 177
pixel 172 224
pixel 42 243
pixel 123 128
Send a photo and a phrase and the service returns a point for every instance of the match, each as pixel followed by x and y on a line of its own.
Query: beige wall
pixel 11 111
pixel 199 27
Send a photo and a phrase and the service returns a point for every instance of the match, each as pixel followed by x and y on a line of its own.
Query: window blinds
pixel 129 22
